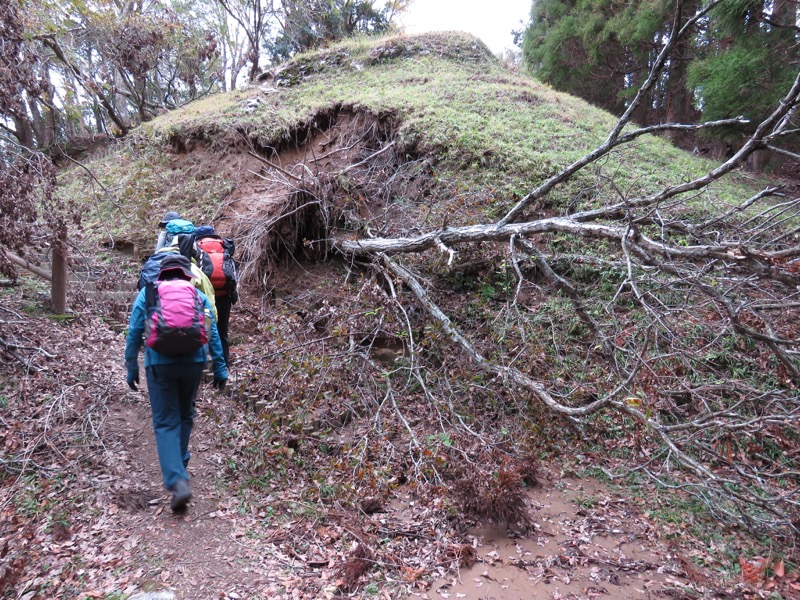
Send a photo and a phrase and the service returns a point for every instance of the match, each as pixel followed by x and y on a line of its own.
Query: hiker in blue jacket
pixel 172 383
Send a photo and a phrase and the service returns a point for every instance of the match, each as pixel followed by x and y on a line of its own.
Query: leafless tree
pixel 255 17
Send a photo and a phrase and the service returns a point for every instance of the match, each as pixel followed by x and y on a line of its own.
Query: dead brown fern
pixel 357 564
pixel 529 470
pixel 498 497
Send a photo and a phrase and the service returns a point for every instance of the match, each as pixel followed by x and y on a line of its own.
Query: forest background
pixel 73 70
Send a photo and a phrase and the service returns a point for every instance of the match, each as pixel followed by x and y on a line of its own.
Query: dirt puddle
pixel 586 543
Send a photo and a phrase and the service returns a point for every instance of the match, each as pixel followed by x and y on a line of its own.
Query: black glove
pixel 133 378
pixel 220 384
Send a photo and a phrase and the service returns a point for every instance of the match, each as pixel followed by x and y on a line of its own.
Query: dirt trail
pixel 216 550
pixel 266 530
pixel 573 552
pixel 197 553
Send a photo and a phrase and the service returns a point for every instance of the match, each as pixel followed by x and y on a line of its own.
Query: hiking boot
pixel 181 494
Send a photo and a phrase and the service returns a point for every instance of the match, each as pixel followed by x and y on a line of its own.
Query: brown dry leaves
pixel 52 526
pixel 767 574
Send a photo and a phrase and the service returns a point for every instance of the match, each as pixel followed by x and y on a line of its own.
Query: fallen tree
pixel 677 322
pixel 736 264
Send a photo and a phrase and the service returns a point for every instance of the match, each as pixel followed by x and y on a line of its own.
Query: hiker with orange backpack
pixel 175 322
pixel 218 263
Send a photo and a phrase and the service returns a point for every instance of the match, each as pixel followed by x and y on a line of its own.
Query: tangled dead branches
pixel 346 170
pixel 694 355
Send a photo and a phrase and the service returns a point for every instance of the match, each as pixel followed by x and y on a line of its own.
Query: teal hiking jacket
pixel 135 341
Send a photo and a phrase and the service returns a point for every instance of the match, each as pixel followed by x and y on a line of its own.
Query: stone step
pixel 91 286
pixel 118 296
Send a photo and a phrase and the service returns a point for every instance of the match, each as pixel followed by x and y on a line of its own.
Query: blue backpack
pixel 152 266
pixel 185 244
pixel 177 228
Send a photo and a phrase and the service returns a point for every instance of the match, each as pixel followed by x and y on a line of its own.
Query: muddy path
pixel 585 542
pixel 280 505
pixel 283 516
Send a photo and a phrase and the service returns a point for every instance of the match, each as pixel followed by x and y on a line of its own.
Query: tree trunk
pixel 24 132
pixel 224 61
pixel 44 118
pixel 99 119
pixel 785 12
pixel 642 112
pixel 140 91
pixel 58 288
pixel 52 116
pixel 255 70
pixel 37 122
pixel 76 126
pixel 119 101
pixel 678 97
pixel 757 161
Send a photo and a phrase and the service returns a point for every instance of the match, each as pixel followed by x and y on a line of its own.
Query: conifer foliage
pixel 736 61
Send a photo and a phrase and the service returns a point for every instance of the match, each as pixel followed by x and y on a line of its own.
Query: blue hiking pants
pixel 223 321
pixel 173 388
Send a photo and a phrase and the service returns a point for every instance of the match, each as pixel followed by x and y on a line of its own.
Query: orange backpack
pixel 218 264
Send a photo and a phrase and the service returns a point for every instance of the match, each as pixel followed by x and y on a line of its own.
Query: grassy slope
pixel 492 133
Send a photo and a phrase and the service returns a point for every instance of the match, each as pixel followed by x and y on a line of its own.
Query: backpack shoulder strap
pixel 151 296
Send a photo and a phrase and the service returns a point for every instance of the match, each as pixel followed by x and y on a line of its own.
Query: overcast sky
pixel 490 20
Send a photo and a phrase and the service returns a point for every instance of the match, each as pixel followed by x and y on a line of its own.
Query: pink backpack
pixel 176 320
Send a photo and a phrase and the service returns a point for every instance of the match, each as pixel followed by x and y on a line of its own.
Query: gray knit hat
pixel 171 215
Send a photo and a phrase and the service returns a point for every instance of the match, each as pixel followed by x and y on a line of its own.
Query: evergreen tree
pixel 746 59
pixel 739 61
pixel 596 49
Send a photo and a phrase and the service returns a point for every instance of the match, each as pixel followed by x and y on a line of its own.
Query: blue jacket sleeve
pixel 215 343
pixel 135 331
